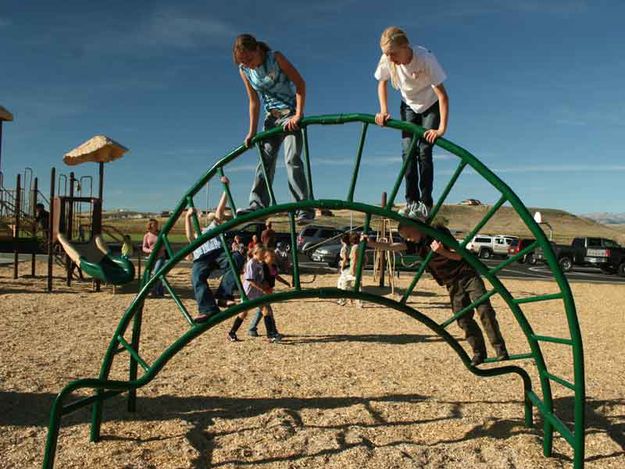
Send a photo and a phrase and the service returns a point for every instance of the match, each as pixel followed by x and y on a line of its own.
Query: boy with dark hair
pixel 463 284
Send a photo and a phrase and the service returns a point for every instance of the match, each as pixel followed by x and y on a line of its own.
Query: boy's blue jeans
pixel 420 170
pixel 200 272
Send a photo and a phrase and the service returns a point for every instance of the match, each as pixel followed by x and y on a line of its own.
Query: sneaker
pixel 305 218
pixel 425 210
pixel 275 338
pixel 232 337
pixel 418 211
pixel 225 303
pixel 405 210
pixel 502 355
pixel 252 333
pixel 244 211
pixel 202 317
pixel 477 359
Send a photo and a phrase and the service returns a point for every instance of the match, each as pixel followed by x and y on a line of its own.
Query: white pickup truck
pixel 487 246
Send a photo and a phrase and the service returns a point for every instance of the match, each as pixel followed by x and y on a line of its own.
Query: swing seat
pixel 94 259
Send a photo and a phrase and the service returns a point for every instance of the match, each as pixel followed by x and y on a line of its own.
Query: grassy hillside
pixel 564 226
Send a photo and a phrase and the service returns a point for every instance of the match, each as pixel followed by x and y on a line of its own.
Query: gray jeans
pixel 259 194
pixel 462 293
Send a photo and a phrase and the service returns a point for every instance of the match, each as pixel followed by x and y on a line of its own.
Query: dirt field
pixel 347 388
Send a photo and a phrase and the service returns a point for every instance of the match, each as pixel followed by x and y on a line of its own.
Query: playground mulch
pixel 347 388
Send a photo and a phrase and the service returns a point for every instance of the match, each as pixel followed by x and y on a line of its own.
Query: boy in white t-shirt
pixel 416 73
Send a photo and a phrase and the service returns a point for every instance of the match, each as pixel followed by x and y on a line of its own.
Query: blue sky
pixel 536 92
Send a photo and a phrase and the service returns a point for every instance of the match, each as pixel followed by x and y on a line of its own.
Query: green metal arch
pixel 106 388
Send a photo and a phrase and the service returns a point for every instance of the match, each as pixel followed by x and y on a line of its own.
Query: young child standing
pixel 149 241
pixel 346 279
pixel 416 73
pixel 283 90
pixel 464 285
pixel 270 274
pixel 255 287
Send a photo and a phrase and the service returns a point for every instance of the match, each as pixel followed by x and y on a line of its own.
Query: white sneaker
pixel 407 209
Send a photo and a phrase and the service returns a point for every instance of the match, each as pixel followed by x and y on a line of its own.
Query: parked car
pixel 517 246
pixel 585 251
pixel 329 253
pixel 312 235
pixel 487 246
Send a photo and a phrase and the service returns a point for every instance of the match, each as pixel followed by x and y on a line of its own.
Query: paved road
pixel 520 271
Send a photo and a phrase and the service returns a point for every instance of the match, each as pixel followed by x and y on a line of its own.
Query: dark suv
pixel 312 235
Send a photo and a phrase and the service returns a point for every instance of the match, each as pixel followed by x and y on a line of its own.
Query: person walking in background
pixel 149 241
pixel 269 74
pixel 252 245
pixel 464 285
pixel 268 236
pixel 346 279
pixel 416 73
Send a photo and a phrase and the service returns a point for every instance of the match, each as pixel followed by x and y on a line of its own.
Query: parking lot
pixel 514 270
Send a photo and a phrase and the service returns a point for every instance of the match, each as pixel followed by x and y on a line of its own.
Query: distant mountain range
pixel 606 218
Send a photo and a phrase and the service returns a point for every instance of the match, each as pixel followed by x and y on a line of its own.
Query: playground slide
pixel 95 260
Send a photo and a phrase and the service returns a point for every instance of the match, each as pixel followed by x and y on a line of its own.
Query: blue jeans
pixel 420 170
pixel 200 272
pixel 293 162
pixel 228 284
pixel 158 289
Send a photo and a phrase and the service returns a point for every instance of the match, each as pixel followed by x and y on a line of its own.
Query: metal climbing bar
pixel 447 190
pixel 362 245
pixel 402 173
pixel 514 258
pixel 176 298
pixel 133 352
pixel 233 268
pixel 295 262
pixel 263 167
pixel 484 220
pixel 555 340
pixel 561 381
pixel 311 195
pixel 168 249
pixel 85 401
pixel 468 308
pixel 233 207
pixel 416 277
pixel 566 433
pixel 361 146
pixel 533 299
pixel 194 219
pixel 518 356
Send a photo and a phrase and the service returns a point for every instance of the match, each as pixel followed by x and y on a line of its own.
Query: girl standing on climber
pixel 268 73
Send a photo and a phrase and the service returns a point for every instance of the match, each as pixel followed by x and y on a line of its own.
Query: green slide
pixel 94 259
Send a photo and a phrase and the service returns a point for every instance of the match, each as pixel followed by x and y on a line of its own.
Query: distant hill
pixel 563 226
pixel 606 218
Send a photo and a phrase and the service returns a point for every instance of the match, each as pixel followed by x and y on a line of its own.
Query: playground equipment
pixel 93 254
pixel 95 259
pixel 126 340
